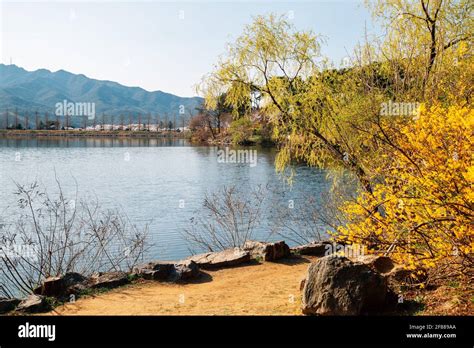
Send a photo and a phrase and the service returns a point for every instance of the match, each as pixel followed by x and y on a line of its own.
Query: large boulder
pixel 61 286
pixel 108 280
pixel 337 286
pixel 168 270
pixel 319 249
pixel 221 259
pixel 8 304
pixel 34 304
pixel 267 251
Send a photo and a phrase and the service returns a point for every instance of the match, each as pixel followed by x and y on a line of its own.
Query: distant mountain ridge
pixel 41 90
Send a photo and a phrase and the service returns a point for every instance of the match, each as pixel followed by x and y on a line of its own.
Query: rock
pixel 337 286
pixel 168 270
pixel 396 274
pixel 77 289
pixel 8 304
pixel 267 251
pixel 148 274
pixel 319 249
pixel 50 285
pixel 34 304
pixel 400 275
pixel 108 280
pixel 186 270
pixel 157 270
pixel 60 286
pixel 381 264
pixel 221 259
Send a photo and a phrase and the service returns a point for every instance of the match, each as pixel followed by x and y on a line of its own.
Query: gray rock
pixel 108 280
pixel 34 304
pixel 168 270
pixel 267 251
pixel 400 275
pixel 60 286
pixel 8 304
pixel 185 270
pixel 337 286
pixel 221 259
pixel 319 249
pixel 145 273
pixel 163 269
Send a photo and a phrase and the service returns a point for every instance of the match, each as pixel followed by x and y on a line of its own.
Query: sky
pixel 158 45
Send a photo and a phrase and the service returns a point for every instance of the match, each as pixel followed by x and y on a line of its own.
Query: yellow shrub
pixel 423 210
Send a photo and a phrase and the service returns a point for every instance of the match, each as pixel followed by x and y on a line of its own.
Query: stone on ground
pixel 267 251
pixel 108 280
pixel 60 286
pixel 8 304
pixel 337 286
pixel 34 304
pixel 221 259
pixel 168 270
pixel 319 249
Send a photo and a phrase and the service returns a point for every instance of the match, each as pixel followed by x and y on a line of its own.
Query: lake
pixel 160 182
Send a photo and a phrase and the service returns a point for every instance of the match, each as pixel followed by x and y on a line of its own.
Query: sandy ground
pixel 270 288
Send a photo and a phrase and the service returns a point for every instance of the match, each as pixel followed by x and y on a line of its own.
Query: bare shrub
pixel 310 218
pixel 228 221
pixel 300 224
pixel 55 235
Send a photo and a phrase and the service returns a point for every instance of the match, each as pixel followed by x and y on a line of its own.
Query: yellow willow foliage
pixel 423 211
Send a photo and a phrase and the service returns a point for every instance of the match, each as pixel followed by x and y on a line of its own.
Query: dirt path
pixel 258 289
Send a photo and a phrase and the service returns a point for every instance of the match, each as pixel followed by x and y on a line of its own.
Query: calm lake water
pixel 149 180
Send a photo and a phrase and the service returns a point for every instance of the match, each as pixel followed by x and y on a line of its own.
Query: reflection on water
pixel 149 179
pixel 76 141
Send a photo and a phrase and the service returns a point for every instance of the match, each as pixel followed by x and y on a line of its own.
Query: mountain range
pixel 41 90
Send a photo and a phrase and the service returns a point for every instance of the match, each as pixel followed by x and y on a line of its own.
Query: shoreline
pixel 262 280
pixel 119 134
pixel 91 134
pixel 271 288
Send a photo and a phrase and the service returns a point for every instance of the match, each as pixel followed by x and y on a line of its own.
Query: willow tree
pixel 428 32
pixel 282 66
pixel 329 117
pixel 424 58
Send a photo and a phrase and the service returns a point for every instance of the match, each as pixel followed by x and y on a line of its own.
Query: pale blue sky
pixel 148 44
